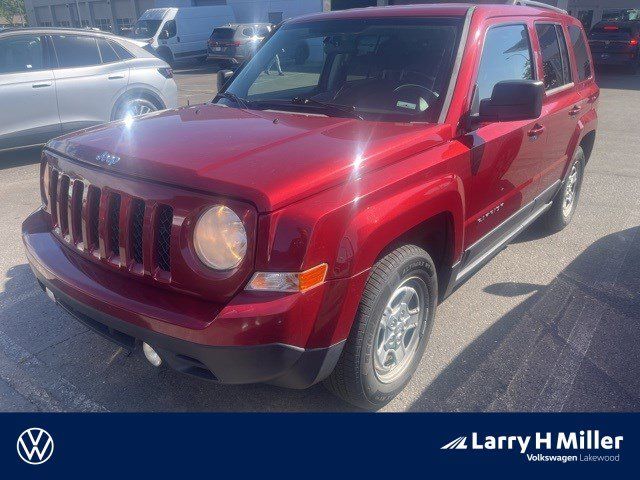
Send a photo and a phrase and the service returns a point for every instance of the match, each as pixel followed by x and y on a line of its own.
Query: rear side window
pixel 76 51
pixel 223 33
pixel 107 53
pixel 506 56
pixel 555 59
pixel 21 53
pixel 583 61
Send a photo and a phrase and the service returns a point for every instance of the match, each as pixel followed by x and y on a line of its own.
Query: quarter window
pixel 76 51
pixel 506 56
pixel 107 53
pixel 583 61
pixel 122 52
pixel 555 61
pixel 21 53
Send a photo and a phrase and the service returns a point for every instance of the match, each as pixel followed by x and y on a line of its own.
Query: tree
pixel 10 9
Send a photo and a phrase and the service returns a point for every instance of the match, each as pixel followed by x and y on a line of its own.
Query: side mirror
pixel 513 100
pixel 223 77
pixel 164 34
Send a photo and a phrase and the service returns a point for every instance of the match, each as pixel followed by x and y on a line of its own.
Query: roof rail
pixel 531 3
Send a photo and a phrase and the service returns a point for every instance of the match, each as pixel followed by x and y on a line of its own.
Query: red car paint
pixel 310 190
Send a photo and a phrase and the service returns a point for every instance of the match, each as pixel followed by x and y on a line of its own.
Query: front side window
pixel 583 61
pixel 145 28
pixel 76 51
pixel 506 56
pixel 21 53
pixel 170 28
pixel 383 69
pixel 555 59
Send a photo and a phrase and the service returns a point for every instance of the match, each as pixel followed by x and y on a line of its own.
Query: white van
pixel 180 33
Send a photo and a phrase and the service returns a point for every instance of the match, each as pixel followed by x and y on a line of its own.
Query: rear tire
pixel 390 331
pixel 564 206
pixel 134 106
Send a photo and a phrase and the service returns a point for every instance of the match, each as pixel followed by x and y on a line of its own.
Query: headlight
pixel 220 238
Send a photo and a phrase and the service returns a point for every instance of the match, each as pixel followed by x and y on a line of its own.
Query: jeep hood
pixel 268 158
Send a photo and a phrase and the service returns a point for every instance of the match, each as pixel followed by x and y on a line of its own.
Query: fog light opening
pixel 151 355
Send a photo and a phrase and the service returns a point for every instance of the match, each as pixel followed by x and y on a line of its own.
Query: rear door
pixel 89 79
pixel 562 105
pixel 28 106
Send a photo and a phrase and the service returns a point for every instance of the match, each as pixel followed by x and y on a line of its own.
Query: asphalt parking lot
pixel 551 324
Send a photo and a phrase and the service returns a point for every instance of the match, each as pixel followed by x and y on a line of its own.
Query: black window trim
pixel 534 63
pixel 585 40
pixel 572 83
pixel 47 53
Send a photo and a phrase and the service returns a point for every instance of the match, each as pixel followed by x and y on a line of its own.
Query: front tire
pixel 559 216
pixel 390 331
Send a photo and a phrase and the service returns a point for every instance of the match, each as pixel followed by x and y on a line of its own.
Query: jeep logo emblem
pixel 108 158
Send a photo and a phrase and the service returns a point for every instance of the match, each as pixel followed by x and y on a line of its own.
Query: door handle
pixel 536 131
pixel 575 111
pixel 115 77
pixel 41 85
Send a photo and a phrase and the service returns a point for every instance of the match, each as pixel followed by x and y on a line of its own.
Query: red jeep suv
pixel 303 227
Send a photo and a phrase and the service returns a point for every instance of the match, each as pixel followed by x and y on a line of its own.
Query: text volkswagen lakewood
pixel 303 227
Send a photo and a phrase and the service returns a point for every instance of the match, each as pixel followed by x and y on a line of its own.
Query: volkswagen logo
pixel 35 446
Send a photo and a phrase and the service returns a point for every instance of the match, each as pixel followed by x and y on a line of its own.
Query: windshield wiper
pixel 349 110
pixel 234 98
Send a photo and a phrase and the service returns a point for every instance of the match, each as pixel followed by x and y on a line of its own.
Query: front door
pixel 29 111
pixel 505 156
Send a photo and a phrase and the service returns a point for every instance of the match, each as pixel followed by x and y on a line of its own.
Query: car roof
pixel 619 23
pixel 428 10
pixel 50 30
pixel 242 25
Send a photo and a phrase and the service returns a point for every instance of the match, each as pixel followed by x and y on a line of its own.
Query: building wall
pixel 107 14
pixel 113 15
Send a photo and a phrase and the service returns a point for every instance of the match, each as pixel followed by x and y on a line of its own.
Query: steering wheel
pixel 419 88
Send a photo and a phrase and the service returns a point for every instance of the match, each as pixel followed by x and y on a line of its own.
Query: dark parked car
pixel 305 227
pixel 237 41
pixel 616 43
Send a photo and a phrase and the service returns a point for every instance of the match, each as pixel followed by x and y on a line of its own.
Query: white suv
pixel 53 81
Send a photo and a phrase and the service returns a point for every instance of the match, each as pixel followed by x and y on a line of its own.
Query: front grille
pixel 63 204
pixel 114 224
pixel 90 219
pixel 165 220
pixel 93 205
pixel 137 225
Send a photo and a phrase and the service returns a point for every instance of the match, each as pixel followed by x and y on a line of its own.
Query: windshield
pixel 145 28
pixel 383 69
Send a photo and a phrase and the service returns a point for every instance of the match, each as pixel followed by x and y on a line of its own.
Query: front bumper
pixel 177 328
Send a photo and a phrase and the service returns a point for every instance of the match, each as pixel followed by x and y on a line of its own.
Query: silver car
pixel 53 81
